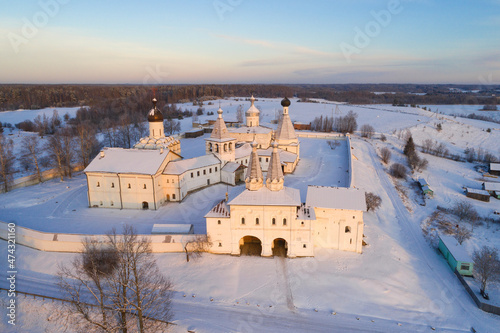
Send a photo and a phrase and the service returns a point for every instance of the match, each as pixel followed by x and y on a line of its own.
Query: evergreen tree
pixel 409 147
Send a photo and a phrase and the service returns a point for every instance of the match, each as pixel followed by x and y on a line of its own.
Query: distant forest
pixel 16 96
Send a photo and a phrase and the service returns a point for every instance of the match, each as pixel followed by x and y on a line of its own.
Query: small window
pixel 98 184
pixel 274 221
pixel 257 221
pixel 173 196
pixel 129 185
pixel 144 186
pixel 192 175
pixel 210 170
pixel 284 221
pixel 220 244
pixel 168 181
pixel 215 169
pixel 204 172
pixel 112 185
pixel 112 203
pixel 101 203
pixel 304 246
pixel 260 159
pixel 246 161
pixel 198 173
pixel 242 220
pixel 464 267
pixel 347 229
pixel 267 159
pixel 353 217
pixel 302 222
pixel 218 222
pixel 350 242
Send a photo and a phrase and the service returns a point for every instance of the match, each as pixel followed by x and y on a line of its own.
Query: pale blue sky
pixel 244 41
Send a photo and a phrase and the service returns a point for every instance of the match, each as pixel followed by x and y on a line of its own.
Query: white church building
pixel 153 171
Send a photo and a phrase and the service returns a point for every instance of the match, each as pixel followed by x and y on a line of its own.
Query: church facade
pixel 153 172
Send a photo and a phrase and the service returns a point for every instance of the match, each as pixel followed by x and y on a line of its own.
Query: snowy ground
pixel 399 279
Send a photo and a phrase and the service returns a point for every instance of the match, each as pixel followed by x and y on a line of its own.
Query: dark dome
pixel 285 102
pixel 154 114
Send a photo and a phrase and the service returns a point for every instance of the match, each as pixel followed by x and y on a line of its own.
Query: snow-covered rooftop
pixel 495 166
pixel 285 156
pixel 264 197
pixel 458 251
pixel 422 182
pixel 232 167
pixel 119 160
pixel 172 229
pixel 473 190
pixel 491 186
pixel 220 210
pixel 336 198
pixel 243 151
pixel 179 167
pixel 252 130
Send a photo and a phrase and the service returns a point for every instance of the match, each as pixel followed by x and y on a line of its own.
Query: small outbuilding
pixel 477 194
pixel 426 189
pixel 301 126
pixel 492 188
pixel 173 229
pixel 495 169
pixel 456 255
pixel 194 133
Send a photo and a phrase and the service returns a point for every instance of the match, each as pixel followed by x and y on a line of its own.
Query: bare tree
pixel 385 155
pixel 55 152
pixel 333 144
pixel 68 149
pixel 465 211
pixel 373 201
pixel 87 142
pixel 31 153
pixel 486 266
pixel 240 115
pixel 383 138
pixel 398 170
pixel 196 245
pixel 462 234
pixel 172 126
pixel 367 131
pixel 7 160
pixel 115 286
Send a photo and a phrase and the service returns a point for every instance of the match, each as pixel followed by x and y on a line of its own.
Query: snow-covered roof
pixel 254 169
pixel 220 210
pixel 172 229
pixel 490 186
pixel 476 191
pixel 285 156
pixel 119 160
pixel 243 151
pixel 336 198
pixel 495 166
pixel 252 130
pixel 232 167
pixel 264 197
pixel 422 182
pixel 285 129
pixel 426 188
pixel 179 167
pixel 458 251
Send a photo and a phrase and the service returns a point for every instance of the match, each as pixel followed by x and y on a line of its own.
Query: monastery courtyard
pixel 63 206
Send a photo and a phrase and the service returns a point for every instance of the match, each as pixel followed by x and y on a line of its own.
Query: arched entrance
pixel 145 205
pixel 250 246
pixel 280 247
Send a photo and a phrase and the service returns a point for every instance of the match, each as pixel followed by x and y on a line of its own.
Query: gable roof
pixel 491 186
pixel 220 210
pixel 495 166
pixel 336 198
pixel 120 160
pixel 285 129
pixel 179 167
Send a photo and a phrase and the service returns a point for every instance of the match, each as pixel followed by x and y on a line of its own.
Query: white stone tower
pixel 285 134
pixel 219 143
pixel 252 114
pixel 155 119
pixel 275 178
pixel 254 179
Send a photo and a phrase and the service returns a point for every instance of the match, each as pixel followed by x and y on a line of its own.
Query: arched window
pixel 284 221
pixel 274 221
pixel 347 229
pixel 257 220
pixel 242 220
pixel 129 185
pixel 225 147
pixel 98 184
pixel 218 222
pixel 112 185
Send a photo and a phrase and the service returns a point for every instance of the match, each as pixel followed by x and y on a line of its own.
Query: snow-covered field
pixel 399 284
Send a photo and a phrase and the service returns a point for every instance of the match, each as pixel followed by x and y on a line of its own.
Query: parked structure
pixel 456 255
pixel 492 188
pixel 495 169
pixel 425 187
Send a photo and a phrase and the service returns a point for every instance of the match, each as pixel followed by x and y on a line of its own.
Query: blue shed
pixel 456 255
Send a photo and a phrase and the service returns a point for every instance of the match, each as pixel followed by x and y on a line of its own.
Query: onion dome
pixel 285 102
pixel 252 111
pixel 155 114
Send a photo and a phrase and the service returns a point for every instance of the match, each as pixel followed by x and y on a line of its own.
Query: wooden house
pixel 426 189
pixel 456 255
pixel 477 194
pixel 495 169
pixel 492 188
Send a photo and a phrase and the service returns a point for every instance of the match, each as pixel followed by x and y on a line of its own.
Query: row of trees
pixel 343 124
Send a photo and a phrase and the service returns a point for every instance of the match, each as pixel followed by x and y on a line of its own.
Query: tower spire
pixel 275 178
pixel 254 179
